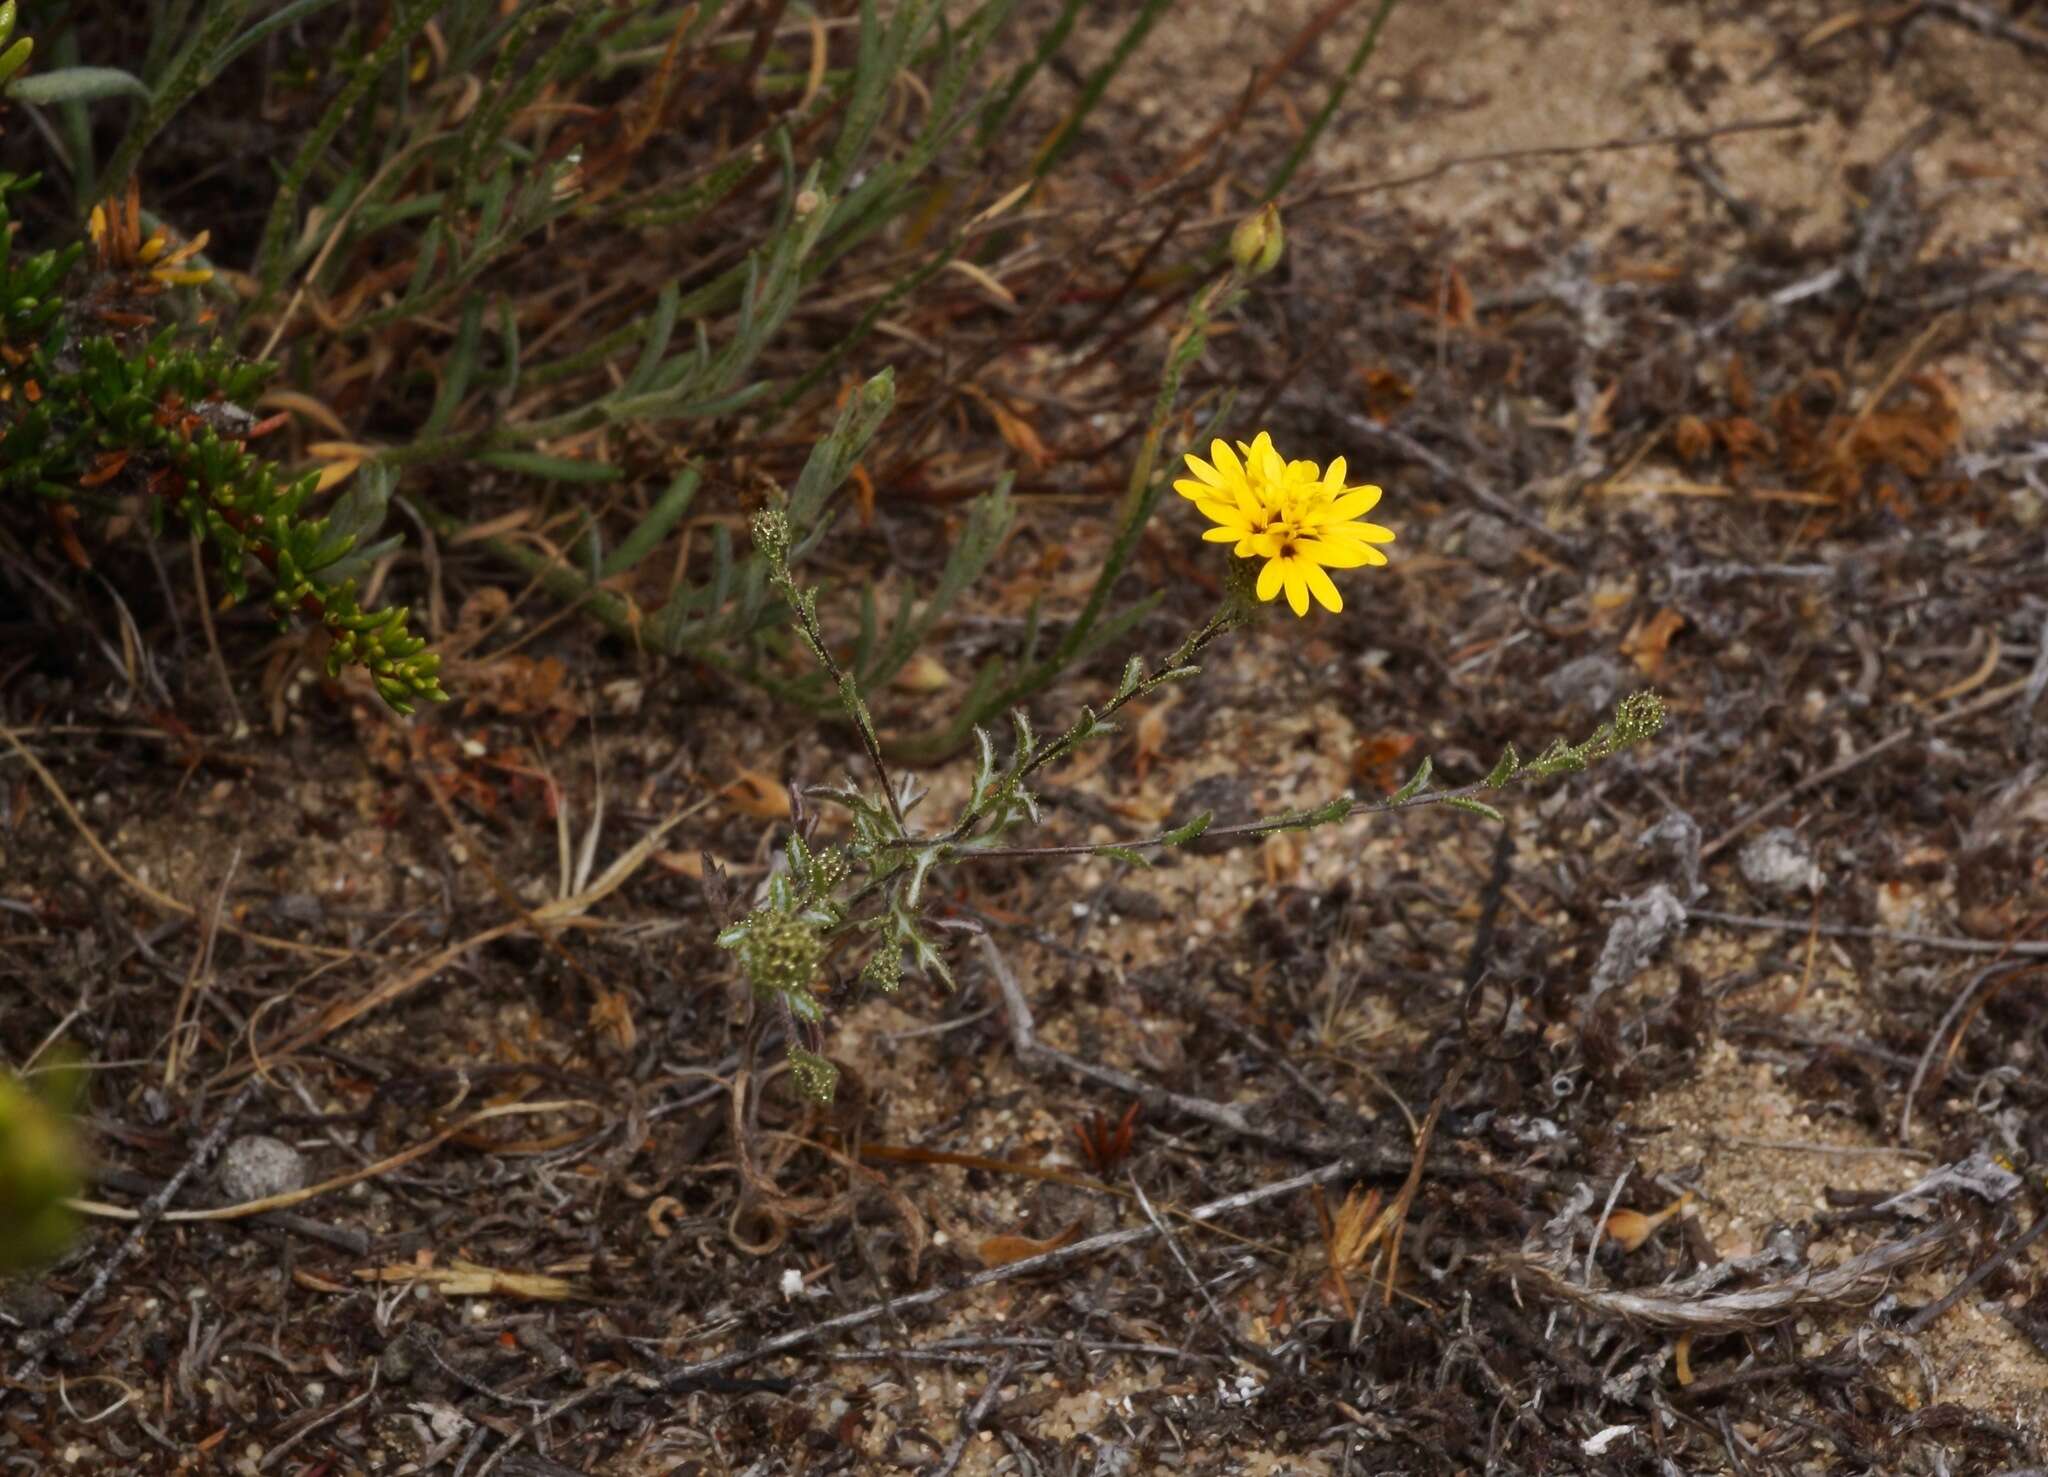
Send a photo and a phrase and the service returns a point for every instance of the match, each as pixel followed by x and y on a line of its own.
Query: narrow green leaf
pixel 667 511
pixel 655 345
pixel 553 468
pixel 1504 768
pixel 1477 807
pixel 15 57
pixel 74 84
pixel 1415 782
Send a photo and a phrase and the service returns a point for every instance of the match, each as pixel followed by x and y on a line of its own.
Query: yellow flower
pixel 1300 518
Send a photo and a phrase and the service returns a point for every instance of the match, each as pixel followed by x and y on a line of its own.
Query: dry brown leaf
pixel 922 673
pixel 1740 393
pixel 1631 1228
pixel 1692 439
pixel 1280 855
pixel 1379 761
pixel 1017 433
pixel 1148 734
pixel 1000 1251
pixel 759 795
pixel 300 403
pixel 1457 304
pixel 1648 639
pixel 1385 392
pixel 612 1014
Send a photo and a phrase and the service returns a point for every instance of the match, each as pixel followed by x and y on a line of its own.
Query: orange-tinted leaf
pixel 1648 639
pixel 1379 762
pixel 1385 392
pixel 1692 439
pixel 1740 395
pixel 1000 1251
pixel 759 795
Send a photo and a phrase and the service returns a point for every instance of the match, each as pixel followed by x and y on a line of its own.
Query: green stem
pixel 1338 89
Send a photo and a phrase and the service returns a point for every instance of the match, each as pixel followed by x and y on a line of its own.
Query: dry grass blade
pixel 559 912
pixel 467 1279
pixel 341 1181
pixel 135 884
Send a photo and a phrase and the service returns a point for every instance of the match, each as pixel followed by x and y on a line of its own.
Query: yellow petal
pixel 1296 583
pixel 1231 470
pixel 1334 477
pixel 1203 470
pixel 1188 487
pixel 1334 555
pixel 1223 536
pixel 1269 580
pixel 1355 500
pixel 1326 593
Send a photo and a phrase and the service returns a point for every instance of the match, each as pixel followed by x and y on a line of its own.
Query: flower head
pixel 1299 518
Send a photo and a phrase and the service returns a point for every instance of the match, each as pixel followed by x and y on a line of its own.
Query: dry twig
pixel 1858 1280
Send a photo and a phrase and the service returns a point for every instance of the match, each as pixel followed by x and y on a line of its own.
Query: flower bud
pixel 1257 242
pixel 771 535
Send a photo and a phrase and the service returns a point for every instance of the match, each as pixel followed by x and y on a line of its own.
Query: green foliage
pixel 725 182
pixel 39 1168
pixel 81 407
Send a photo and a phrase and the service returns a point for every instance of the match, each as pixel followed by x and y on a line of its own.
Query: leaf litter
pixel 1737 425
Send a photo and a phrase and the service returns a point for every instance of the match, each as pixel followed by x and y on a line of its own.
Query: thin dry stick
pixel 220 665
pixel 340 1182
pixel 2023 949
pixel 976 1414
pixel 2002 974
pixel 145 1219
pixel 1397 1212
pixel 1261 84
pixel 1564 151
pixel 1841 767
pixel 202 961
pixel 561 912
pixel 1977 1274
pixel 328 1418
pixel 1024 1041
pixel 135 884
pixel 1231 1336
pixel 684 1376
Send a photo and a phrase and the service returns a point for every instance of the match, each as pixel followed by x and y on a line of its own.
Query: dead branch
pixel 1858 1280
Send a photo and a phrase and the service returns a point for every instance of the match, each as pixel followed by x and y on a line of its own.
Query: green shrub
pixel 39 1168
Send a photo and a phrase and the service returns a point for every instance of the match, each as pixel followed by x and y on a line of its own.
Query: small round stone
pixel 256 1166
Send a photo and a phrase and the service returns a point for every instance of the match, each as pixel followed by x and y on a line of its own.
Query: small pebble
pixel 256 1166
pixel 1592 683
pixel 1779 861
